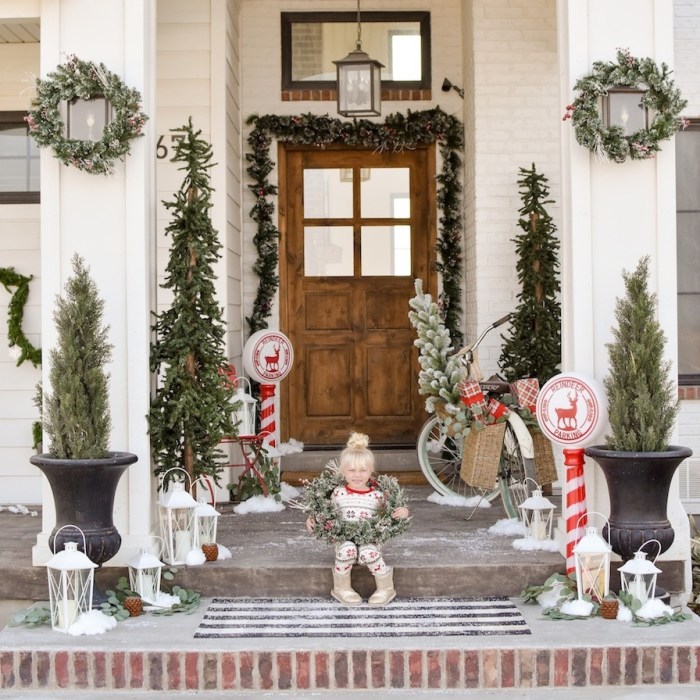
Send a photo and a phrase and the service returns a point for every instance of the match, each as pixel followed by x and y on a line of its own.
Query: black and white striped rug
pixel 230 618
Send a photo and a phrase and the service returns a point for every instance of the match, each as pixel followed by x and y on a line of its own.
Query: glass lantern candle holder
pixel 144 575
pixel 71 580
pixel 537 514
pixel 176 514
pixel 638 575
pixel 592 561
pixel 244 409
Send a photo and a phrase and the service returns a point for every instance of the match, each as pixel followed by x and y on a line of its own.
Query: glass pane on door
pixel 386 251
pixel 328 251
pixel 327 193
pixel 379 192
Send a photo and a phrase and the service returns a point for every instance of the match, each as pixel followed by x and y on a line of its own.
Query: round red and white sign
pixel 571 410
pixel 268 356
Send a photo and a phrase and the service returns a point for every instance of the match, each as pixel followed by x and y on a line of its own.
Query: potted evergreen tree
pixel 637 461
pixel 82 472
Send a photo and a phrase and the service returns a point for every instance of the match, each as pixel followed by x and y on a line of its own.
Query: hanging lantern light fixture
pixel 359 81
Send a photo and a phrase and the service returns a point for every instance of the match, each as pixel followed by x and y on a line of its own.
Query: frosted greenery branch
pixel 85 80
pixel 661 98
pixel 10 279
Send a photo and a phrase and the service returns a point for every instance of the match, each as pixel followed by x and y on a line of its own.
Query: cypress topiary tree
pixel 191 410
pixel 76 412
pixel 642 403
pixel 533 347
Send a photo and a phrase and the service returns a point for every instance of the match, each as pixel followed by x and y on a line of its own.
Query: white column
pixel 613 214
pixel 110 222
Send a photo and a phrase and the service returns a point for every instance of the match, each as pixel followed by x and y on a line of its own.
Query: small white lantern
pixel 243 409
pixel 176 509
pixel 638 576
pixel 71 579
pixel 207 519
pixel 592 560
pixel 144 575
pixel 538 514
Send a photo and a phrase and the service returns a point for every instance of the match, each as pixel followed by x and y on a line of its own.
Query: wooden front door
pixel 357 228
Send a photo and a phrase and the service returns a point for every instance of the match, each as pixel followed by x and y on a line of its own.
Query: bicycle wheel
pixel 513 471
pixel 440 459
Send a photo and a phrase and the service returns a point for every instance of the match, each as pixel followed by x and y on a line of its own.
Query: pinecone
pixel 134 605
pixel 211 551
pixel 608 608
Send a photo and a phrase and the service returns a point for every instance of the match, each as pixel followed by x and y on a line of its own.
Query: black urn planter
pixel 83 494
pixel 638 485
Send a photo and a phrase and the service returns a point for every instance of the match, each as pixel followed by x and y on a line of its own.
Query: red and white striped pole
pixel 575 504
pixel 267 413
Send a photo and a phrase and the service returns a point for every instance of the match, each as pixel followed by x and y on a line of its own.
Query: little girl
pixel 355 500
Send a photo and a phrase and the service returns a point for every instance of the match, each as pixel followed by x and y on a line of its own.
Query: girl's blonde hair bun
pixel 358 441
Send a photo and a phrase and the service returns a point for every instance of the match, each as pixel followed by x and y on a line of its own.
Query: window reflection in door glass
pixel 386 251
pixel 328 251
pixel 327 195
pixel 380 190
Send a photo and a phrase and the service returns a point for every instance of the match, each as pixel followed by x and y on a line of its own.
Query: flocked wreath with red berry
pixel 661 98
pixel 317 503
pixel 85 80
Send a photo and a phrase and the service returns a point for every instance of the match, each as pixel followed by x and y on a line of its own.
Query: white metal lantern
pixel 144 575
pixel 71 578
pixel 592 560
pixel 538 514
pixel 206 517
pixel 243 409
pixel 176 513
pixel 638 575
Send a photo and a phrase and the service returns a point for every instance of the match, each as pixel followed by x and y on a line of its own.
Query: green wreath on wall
pixel 23 348
pixel 662 98
pixel 396 133
pixel 85 80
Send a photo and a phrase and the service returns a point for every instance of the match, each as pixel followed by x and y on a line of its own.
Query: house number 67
pixel 161 147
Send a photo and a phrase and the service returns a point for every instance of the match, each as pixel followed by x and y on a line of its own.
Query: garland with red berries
pixel 398 132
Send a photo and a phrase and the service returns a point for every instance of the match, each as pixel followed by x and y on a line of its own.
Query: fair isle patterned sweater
pixel 356 505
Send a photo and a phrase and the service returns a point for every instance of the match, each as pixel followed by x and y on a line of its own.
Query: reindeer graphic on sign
pixel 566 417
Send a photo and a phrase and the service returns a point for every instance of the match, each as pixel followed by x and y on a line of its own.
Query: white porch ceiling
pixel 20 31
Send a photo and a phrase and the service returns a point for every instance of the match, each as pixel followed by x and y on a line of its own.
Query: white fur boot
pixel 385 592
pixel 343 591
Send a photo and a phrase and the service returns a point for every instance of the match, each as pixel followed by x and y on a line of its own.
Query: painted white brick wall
pixel 514 122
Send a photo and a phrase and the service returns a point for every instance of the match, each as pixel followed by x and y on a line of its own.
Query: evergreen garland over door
pixel 357 227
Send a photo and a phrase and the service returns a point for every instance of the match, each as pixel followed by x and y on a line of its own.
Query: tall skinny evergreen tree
pixel 533 348
pixel 191 410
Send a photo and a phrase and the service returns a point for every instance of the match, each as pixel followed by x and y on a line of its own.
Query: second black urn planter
pixel 638 485
pixel 83 493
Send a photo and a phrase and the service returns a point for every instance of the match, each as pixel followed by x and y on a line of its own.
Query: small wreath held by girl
pixel 356 511
pixel 661 98
pixel 85 80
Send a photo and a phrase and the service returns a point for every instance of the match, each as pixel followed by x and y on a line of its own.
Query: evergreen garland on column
pixel 191 410
pixel 533 348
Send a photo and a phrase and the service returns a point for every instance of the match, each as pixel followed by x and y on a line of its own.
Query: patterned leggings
pixel 347 553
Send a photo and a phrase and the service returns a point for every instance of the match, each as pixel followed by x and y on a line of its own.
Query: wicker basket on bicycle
pixel 481 455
